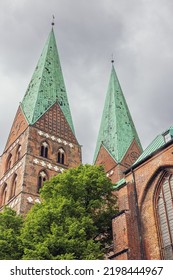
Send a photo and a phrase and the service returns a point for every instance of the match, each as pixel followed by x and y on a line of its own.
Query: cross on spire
pixel 53 20
pixel 40 95
pixel 112 59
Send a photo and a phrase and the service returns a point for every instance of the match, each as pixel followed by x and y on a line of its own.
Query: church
pixel 42 143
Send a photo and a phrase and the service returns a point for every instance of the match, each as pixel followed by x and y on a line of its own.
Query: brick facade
pixel 42 143
pixel 24 166
pixel 113 169
pixel 141 222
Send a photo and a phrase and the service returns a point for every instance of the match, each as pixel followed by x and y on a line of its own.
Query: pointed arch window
pixel 4 194
pixel 42 177
pixel 61 156
pixel 44 149
pixel 18 153
pixel 9 162
pixel 14 186
pixel 165 215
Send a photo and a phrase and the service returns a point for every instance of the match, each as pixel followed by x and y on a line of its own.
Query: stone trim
pixel 48 165
pixel 55 139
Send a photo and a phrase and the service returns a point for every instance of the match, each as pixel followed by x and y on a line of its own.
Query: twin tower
pixel 42 140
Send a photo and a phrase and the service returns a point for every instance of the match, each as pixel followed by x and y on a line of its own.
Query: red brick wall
pixel 146 178
pixel 19 125
pixel 31 163
pixel 113 169
pixel 125 226
pixel 120 236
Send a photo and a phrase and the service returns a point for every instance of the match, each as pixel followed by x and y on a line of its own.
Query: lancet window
pixel 18 153
pixel 4 194
pixel 165 215
pixel 61 156
pixel 14 185
pixel 9 162
pixel 44 149
pixel 42 177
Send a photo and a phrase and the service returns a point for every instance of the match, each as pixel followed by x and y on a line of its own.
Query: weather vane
pixel 53 20
pixel 112 59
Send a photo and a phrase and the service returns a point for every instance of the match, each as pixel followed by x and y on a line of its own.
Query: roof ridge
pixel 42 72
pixel 155 144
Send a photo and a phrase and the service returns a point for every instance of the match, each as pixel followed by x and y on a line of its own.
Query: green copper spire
pixel 47 85
pixel 117 130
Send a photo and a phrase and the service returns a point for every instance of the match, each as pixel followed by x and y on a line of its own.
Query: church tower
pixel 42 141
pixel 118 145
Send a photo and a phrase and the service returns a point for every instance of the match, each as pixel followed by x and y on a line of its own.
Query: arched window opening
pixel 44 150
pixel 42 177
pixel 61 156
pixel 14 186
pixel 4 194
pixel 18 153
pixel 9 162
pixel 165 215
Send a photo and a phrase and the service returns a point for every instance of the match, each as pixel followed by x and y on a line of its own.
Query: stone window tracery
pixel 61 156
pixel 44 149
pixel 42 177
pixel 165 215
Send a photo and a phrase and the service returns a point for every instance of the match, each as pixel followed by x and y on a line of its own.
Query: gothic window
pixel 4 194
pixel 14 185
pixel 42 177
pixel 165 215
pixel 44 150
pixel 18 153
pixel 9 162
pixel 61 156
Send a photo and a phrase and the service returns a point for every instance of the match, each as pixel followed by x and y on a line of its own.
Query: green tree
pixel 74 219
pixel 10 243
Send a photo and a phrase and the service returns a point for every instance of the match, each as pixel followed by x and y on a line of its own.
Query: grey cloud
pixel 138 32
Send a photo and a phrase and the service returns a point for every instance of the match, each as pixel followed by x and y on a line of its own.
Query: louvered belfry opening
pixel 165 215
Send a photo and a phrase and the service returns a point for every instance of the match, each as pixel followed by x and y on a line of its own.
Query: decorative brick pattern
pixel 56 139
pixel 43 118
pixel 48 165
pixel 54 123
pixel 31 200
pixel 109 174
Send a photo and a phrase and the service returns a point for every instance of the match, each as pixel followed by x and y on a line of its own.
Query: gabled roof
pixel 47 86
pixel 160 142
pixel 117 130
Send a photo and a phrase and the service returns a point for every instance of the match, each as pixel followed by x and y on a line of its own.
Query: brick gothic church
pixel 42 143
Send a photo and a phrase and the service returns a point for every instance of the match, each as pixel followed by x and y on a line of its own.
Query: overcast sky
pixel 138 32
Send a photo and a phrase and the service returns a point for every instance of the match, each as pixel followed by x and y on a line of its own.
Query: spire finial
pixel 112 59
pixel 53 22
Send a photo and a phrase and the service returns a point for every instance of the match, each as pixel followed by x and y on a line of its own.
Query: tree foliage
pixel 11 247
pixel 74 219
